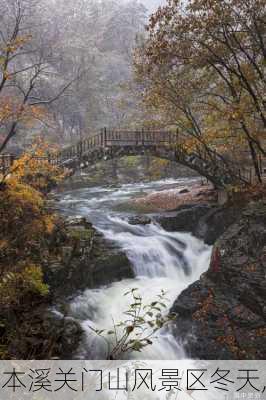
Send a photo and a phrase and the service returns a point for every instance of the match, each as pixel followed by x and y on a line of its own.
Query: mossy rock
pixel 80 233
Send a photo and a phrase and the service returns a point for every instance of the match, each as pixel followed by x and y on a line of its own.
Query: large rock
pixel 83 259
pixel 207 222
pixel 223 315
pixel 139 220
pixel 184 219
pixel 66 333
pixel 215 222
pixel 42 334
pixel 78 258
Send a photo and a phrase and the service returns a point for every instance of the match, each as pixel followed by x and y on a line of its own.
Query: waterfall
pixel 161 260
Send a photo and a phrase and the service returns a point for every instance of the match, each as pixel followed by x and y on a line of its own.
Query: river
pixel 160 259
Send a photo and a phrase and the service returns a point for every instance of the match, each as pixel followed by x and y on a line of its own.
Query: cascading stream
pixel 161 260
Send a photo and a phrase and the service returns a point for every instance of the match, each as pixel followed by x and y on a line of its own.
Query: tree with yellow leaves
pixel 203 67
pixel 26 224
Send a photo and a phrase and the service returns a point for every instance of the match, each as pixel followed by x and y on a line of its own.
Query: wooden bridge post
pixel 260 164
pixel 177 136
pixel 142 136
pixel 102 137
pixel 105 136
pixel 12 159
pixel 170 137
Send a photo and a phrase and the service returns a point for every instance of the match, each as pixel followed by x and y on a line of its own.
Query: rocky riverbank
pixel 78 257
pixel 167 200
pixel 205 221
pixel 83 259
pixel 223 315
pixel 224 312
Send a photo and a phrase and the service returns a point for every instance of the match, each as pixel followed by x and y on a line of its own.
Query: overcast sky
pixel 153 4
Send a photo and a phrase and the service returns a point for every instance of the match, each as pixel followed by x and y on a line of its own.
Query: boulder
pixel 215 222
pixel 42 334
pixel 183 191
pixel 139 220
pixel 184 219
pixel 83 259
pixel 204 221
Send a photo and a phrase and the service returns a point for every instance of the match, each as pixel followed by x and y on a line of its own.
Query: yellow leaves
pixel 26 229
pixel 35 169
pixel 49 223
pixel 32 278
pixel 6 75
pixel 19 166
pixel 26 279
pixel 2 60
pixel 22 204
pixel 232 189
pixel 3 244
pixel 189 144
pixel 26 225
pixel 197 70
pixel 12 109
pixel 22 218
pixel 30 114
pixel 7 109
pixel 16 44
pixel 157 167
pixel 206 306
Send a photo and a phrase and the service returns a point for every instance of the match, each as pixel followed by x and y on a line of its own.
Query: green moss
pixel 131 161
pixel 80 233
pixel 33 280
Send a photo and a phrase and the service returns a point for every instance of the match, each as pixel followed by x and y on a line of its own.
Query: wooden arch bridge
pixel 114 143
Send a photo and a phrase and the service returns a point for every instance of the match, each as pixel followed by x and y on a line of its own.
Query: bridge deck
pixel 110 143
pixel 114 137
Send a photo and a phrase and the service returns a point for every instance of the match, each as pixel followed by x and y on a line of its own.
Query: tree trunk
pixel 255 161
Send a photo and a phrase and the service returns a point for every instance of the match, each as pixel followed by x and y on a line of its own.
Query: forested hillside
pixel 66 67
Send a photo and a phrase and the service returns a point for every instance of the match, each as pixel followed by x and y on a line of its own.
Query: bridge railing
pixel 82 147
pixel 114 137
pixel 208 162
pixel 7 160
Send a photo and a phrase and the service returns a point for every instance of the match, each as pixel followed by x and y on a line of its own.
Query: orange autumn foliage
pixel 26 224
pixel 34 168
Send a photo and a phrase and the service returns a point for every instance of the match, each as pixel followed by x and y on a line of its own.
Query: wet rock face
pixel 139 220
pixel 65 332
pixel 215 222
pixel 43 334
pixel 223 315
pixel 204 221
pixel 79 258
pixel 84 260
pixel 184 219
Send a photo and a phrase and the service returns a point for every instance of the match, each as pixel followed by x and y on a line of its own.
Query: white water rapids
pixel 161 260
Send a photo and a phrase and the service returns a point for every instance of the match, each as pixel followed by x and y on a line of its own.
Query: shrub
pixel 28 281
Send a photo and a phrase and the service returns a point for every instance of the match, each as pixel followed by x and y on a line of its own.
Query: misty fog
pixel 79 55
